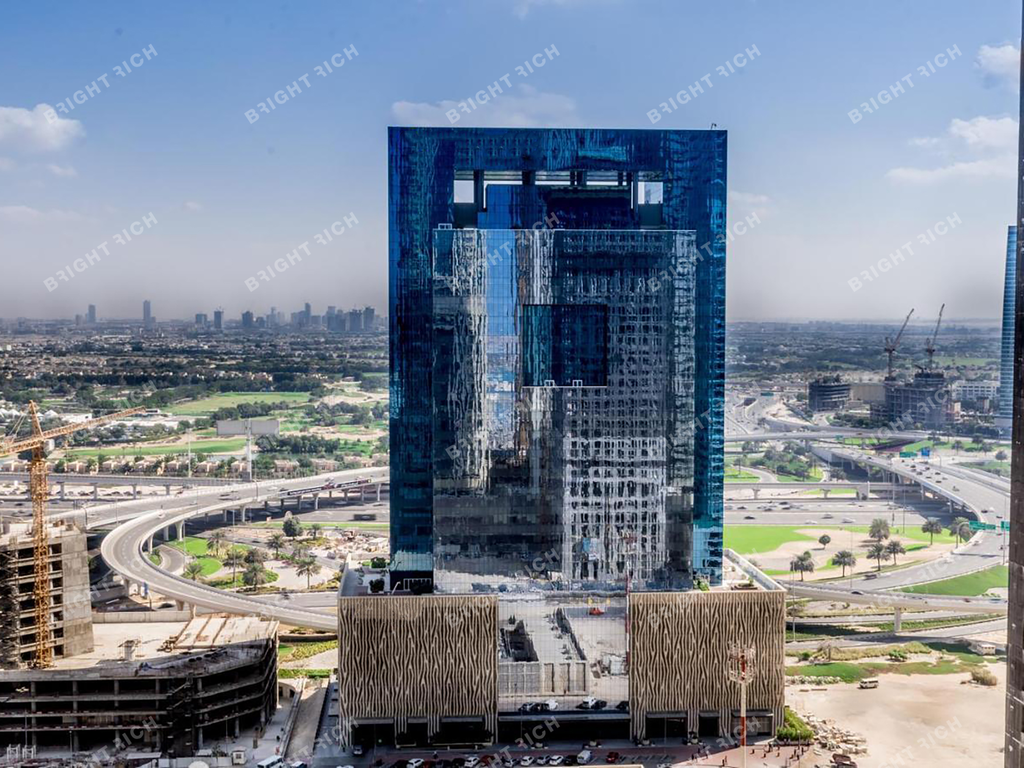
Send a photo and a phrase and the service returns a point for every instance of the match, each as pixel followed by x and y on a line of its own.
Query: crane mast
pixel 929 346
pixel 39 491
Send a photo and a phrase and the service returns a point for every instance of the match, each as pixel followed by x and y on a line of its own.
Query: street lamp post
pixel 741 671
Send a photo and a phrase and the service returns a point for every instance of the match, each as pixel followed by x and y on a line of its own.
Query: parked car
pixel 613 757
pixel 599 704
pixel 357 750
pixel 749 517
pixel 526 761
pixel 416 762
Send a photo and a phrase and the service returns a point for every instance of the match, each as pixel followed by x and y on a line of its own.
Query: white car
pixel 552 705
pixel 525 761
pixel 556 760
pixel 847 520
pixel 416 762
pixel 472 761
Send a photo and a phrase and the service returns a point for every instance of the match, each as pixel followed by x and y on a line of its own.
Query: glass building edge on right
pixel 1004 419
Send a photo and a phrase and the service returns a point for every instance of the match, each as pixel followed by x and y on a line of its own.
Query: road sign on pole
pixel 974 525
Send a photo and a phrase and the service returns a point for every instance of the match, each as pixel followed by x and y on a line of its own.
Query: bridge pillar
pixel 316 501
pixel 826 491
pixel 243 510
pixel 379 486
pixel 266 506
pixel 135 491
pixel 224 516
pixel 362 493
pixel 95 491
pixel 757 493
pixel 181 530
pixel 167 489
pixel 897 621
pixel 62 484
pixel 149 544
pixel 169 532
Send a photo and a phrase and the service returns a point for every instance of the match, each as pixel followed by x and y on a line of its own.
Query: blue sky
pixel 833 197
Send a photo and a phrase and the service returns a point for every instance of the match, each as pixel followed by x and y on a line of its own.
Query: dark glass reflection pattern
pixel 557 351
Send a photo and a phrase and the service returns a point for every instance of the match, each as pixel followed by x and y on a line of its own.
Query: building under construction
pixel 828 393
pixel 926 402
pixel 68 575
pixel 156 687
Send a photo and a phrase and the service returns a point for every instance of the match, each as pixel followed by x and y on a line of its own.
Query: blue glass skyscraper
pixel 557 355
pixel 1004 421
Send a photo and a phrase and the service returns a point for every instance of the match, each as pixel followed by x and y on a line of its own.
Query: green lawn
pixel 142 449
pixel 197 548
pixel 751 539
pixel 733 475
pixel 969 585
pixel 208 405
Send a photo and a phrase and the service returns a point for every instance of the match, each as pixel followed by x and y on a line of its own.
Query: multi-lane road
pixel 123 548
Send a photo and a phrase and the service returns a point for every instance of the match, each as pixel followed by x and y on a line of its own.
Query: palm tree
pixel 193 570
pixel 932 526
pixel 894 548
pixel 307 567
pixel 255 555
pixel 802 564
pixel 276 542
pixel 844 558
pixel 825 540
pixel 960 530
pixel 255 575
pixel 234 558
pixel 879 529
pixel 314 530
pixel 215 541
pixel 878 552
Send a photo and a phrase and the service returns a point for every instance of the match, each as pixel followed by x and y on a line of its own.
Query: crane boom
pixel 12 446
pixel 891 345
pixel 39 490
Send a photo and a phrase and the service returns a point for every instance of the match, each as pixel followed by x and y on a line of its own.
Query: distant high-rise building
pixel 332 310
pixel 201 320
pixel 147 314
pixel 1004 421
pixel 248 320
pixel 91 316
pixel 368 319
pixel 355 321
pixel 218 319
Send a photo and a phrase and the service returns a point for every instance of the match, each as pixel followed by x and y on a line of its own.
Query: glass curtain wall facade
pixel 1004 421
pixel 557 353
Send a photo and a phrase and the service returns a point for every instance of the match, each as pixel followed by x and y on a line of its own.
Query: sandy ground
pixel 932 720
pixel 779 559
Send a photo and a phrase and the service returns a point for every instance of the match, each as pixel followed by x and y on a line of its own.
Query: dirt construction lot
pixel 932 720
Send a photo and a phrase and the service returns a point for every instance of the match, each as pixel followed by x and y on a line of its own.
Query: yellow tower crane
pixel 40 492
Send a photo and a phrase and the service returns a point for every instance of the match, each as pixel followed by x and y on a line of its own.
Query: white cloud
pixel 994 168
pixel 743 204
pixel 61 170
pixel 23 214
pixel 986 133
pixel 192 205
pixel 979 148
pixel 523 107
pixel 6 164
pixel 29 129
pixel 999 64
